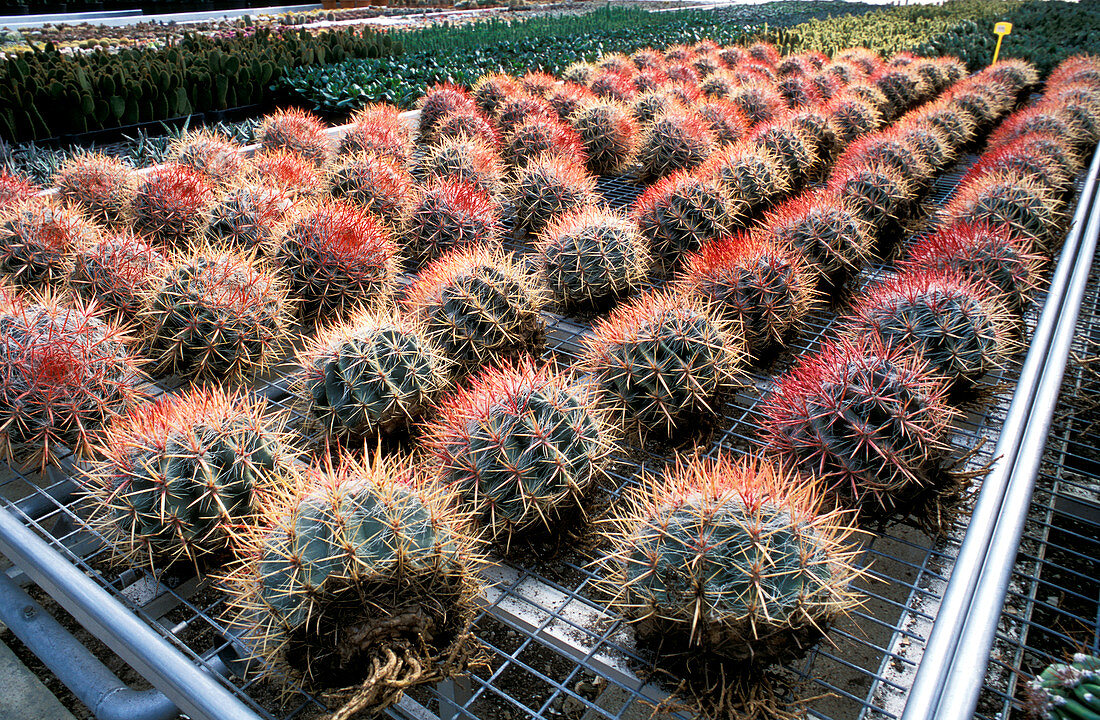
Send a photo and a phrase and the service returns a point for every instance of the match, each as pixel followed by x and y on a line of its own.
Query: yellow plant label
pixel 1002 28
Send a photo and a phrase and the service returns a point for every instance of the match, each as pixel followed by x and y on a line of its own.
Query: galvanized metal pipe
pixel 193 691
pixel 90 680
pixel 1006 491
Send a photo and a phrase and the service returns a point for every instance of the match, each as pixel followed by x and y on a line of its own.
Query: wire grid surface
pixel 552 651
pixel 1052 609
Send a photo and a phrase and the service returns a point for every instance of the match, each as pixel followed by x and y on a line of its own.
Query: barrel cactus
pixel 37 240
pixel 171 203
pixel 64 372
pixel 956 327
pixel 449 215
pixel 247 217
pixel 752 174
pixel 438 101
pixel 216 315
pixel 298 132
pixel 876 192
pixel 463 160
pixel 378 130
pixel 764 286
pixel 378 184
pixel 681 212
pixel 547 188
pixel 337 257
pixel 540 136
pixel 677 140
pixel 210 154
pixel 15 188
pixel 732 560
pixel 661 361
pixel 823 226
pixel 287 173
pixel 179 476
pixel 870 422
pixel 102 187
pixel 361 583
pixel 118 272
pixel 375 372
pixel 1025 206
pixel 521 445
pixel 479 304
pixel 591 256
pixel 994 258
pixel 609 135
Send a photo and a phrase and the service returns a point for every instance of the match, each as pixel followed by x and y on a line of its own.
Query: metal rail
pixel 952 669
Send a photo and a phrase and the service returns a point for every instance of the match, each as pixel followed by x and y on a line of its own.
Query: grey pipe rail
pixel 189 688
pixel 952 669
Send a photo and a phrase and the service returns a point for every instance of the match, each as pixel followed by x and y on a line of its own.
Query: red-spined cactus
pixel 823 133
pixel 548 187
pixel 729 560
pixel 541 136
pixel 798 93
pixel 579 73
pixel 246 217
pixel 102 187
pixel 209 154
pixel 449 215
pixel 491 90
pixel 170 204
pixel 875 191
pixel 378 130
pixel 725 119
pixel 520 445
pixel 791 144
pixel 678 140
pixel 609 135
pixel 375 373
pixel 662 361
pixel 520 108
pixel 869 422
pixel 1080 107
pixel 364 609
pixel 216 315
pixel 903 88
pixel 649 105
pixel 379 185
pixel 614 86
pixel 1006 198
pixel 957 125
pixel 759 103
pixel 889 148
pixel 15 188
pixel 865 59
pixel 821 225
pixel 118 272
pixel 295 131
pixel 1019 76
pixel 64 372
pixel 463 160
pixel 287 173
pixel 337 257
pixel 681 212
pixel 958 328
pixel 985 103
pixel 466 125
pixel 1077 68
pixel 37 240
pixel 537 83
pixel 180 477
pixel 479 304
pixel 930 144
pixel 591 256
pixel 568 98
pixel 767 288
pixel 719 85
pixel 993 257
pixel 753 175
pixel 853 116
pixel 1023 157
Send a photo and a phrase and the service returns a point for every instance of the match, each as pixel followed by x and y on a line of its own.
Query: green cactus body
pixel 730 560
pixel 958 330
pixel 361 565
pixel 661 360
pixel 180 474
pixel 479 305
pixel 373 373
pixel 590 256
pixel 1066 691
pixel 37 241
pixel 681 212
pixel 520 445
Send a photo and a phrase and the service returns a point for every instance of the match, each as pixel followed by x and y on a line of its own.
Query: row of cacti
pixel 519 446
pixel 50 93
